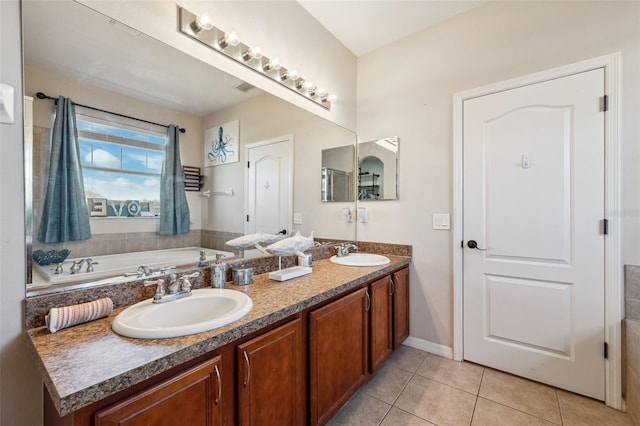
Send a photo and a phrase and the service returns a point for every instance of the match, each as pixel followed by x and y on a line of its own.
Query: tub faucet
pixel 144 271
pixel 77 265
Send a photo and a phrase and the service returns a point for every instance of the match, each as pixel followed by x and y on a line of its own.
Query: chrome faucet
pixel 146 271
pixel 176 289
pixel 77 265
pixel 342 250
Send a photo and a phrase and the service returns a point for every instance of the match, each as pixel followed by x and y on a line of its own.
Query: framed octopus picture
pixel 222 144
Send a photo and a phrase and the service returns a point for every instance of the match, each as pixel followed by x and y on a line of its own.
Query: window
pixel 121 168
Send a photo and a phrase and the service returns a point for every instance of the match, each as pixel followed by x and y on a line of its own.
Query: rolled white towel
pixel 67 316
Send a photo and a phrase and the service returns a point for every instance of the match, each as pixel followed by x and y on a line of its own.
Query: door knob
pixel 472 244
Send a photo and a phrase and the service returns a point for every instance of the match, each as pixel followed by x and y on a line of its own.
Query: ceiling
pixel 71 39
pixel 365 25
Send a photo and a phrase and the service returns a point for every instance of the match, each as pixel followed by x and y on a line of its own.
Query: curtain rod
pixel 41 95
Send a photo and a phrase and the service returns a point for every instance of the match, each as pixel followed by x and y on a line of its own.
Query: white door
pixel 269 186
pixel 534 204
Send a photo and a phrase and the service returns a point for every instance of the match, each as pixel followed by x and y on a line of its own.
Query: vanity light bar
pixel 201 28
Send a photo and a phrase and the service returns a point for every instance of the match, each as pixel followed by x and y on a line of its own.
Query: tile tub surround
pixel 89 362
pixel 632 291
pixel 632 369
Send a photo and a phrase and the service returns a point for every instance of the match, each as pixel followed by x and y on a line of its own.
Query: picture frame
pixel 222 144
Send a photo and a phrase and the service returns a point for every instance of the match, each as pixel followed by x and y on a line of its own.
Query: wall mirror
pixel 378 169
pixel 74 51
pixel 336 175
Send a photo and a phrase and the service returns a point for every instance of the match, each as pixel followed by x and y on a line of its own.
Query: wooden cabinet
pixel 381 321
pixel 190 398
pixel 400 306
pixel 270 378
pixel 338 353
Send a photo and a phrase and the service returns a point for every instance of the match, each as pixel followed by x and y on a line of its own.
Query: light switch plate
pixel 441 221
pixel 297 218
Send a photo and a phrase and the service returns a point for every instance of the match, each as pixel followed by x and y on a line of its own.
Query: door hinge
pixel 248 162
pixel 605 226
pixel 606 350
pixel 605 103
pixel 247 218
pixel 462 243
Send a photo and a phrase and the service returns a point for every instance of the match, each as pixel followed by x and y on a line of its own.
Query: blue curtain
pixel 65 216
pixel 174 210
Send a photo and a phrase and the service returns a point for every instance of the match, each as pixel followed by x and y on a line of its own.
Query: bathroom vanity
pixel 296 358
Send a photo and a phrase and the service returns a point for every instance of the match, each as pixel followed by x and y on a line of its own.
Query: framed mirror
pixel 378 169
pixel 74 51
pixel 336 174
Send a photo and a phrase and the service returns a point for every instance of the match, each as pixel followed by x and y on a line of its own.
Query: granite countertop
pixel 86 363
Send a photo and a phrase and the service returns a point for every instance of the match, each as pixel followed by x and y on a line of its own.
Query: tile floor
pixel 417 388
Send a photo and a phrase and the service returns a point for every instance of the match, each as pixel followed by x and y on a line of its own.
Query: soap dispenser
pixel 219 272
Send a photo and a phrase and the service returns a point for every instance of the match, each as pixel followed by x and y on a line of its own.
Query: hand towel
pixel 68 316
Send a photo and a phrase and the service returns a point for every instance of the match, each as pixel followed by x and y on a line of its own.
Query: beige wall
pixel 20 384
pixel 265 117
pixel 406 89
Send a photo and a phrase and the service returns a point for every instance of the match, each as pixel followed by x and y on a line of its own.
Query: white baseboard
pixel 427 346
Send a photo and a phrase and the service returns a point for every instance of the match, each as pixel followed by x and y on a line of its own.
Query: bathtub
pixel 114 266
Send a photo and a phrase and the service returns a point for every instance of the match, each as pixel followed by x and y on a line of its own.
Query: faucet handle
pixel 90 264
pixel 159 289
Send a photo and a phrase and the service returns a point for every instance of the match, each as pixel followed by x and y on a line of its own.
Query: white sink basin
pixel 204 310
pixel 361 259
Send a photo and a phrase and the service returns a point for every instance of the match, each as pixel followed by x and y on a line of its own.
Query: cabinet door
pixel 400 306
pixel 338 353
pixel 189 398
pixel 381 335
pixel 270 377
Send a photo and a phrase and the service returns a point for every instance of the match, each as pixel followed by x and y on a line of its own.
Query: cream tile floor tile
pixel 414 388
pixel 462 375
pixel 521 394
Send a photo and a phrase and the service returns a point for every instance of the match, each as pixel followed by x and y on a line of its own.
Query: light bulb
pixel 202 22
pixel 289 75
pixel 332 98
pixel 205 21
pixel 273 64
pixel 319 92
pixel 252 53
pixel 232 38
pixel 308 86
pixel 229 39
